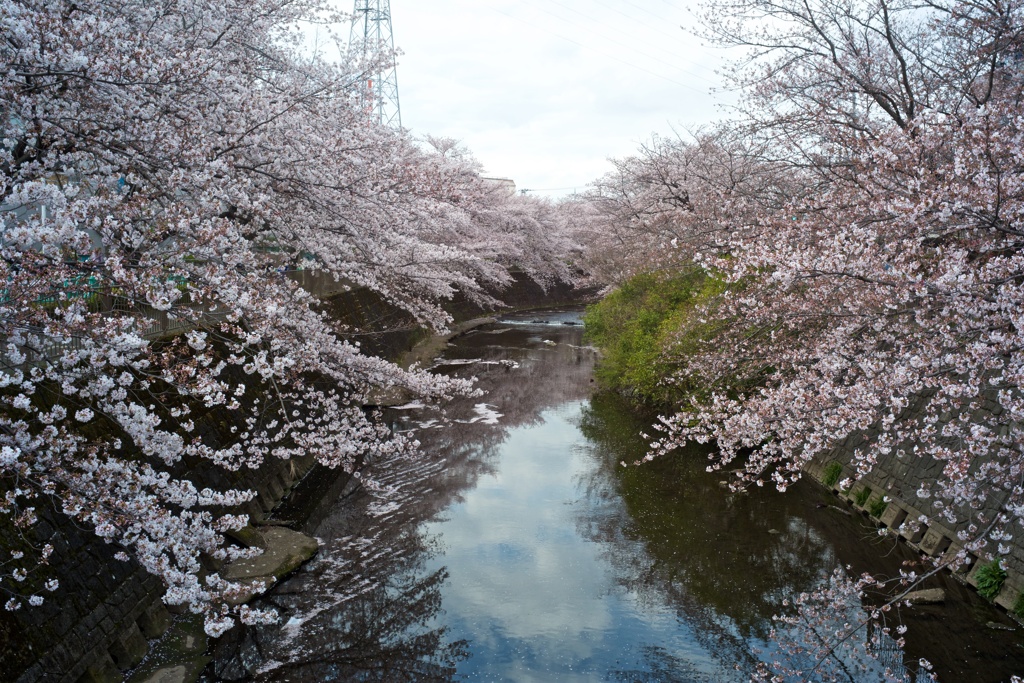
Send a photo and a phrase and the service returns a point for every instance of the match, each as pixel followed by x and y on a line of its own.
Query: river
pixel 519 548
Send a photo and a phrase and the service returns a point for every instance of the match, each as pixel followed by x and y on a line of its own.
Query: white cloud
pixel 517 567
pixel 544 91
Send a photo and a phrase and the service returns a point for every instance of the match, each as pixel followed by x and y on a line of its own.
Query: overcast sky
pixel 545 91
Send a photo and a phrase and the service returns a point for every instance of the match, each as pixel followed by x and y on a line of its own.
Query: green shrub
pixel 645 326
pixel 990 579
pixel 877 507
pixel 832 473
pixel 862 495
pixel 1018 606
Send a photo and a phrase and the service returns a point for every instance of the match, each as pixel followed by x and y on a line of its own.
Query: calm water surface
pixel 519 549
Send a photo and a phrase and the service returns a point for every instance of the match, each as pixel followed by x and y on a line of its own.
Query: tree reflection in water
pixel 387 632
pixel 724 561
pixel 663 667
pixel 727 559
pixel 379 551
pixel 382 636
pixel 578 568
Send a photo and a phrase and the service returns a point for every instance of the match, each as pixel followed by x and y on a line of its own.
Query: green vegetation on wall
pixel 861 496
pixel 646 325
pixel 990 579
pixel 832 473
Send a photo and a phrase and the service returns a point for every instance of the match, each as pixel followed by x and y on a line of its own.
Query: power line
pixel 666 2
pixel 648 27
pixel 599 35
pixel 633 18
pixel 645 10
pixel 550 189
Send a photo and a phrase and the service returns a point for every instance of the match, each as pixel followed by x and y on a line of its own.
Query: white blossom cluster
pixel 865 216
pixel 160 164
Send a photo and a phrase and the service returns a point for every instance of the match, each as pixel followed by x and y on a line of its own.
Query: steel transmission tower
pixel 371 33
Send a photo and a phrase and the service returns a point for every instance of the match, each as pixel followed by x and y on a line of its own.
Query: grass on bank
pixel 648 326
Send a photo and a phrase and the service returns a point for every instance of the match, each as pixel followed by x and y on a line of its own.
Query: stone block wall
pixel 890 490
pixel 95 624
pixel 385 330
pixel 98 623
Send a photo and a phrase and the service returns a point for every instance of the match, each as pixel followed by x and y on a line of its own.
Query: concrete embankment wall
pixel 101 620
pixel 888 494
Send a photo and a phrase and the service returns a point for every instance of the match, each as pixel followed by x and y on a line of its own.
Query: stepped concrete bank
pixel 888 495
pixel 104 617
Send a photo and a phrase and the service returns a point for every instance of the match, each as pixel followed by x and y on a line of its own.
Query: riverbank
pixel 655 323
pixel 523 550
pixel 180 655
pixel 101 621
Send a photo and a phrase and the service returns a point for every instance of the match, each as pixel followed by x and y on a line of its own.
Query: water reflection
pixel 364 609
pixel 517 548
pixel 367 607
pixel 726 559
pixel 528 548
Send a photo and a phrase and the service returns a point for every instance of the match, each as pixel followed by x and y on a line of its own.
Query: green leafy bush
pixel 877 507
pixel 1018 606
pixel 645 326
pixel 990 579
pixel 832 473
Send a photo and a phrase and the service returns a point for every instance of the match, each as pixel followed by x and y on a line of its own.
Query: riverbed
pixel 517 547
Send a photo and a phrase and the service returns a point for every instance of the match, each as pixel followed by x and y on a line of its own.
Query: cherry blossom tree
pixel 880 291
pixel 505 231
pixel 678 196
pixel 161 163
pixel 892 281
